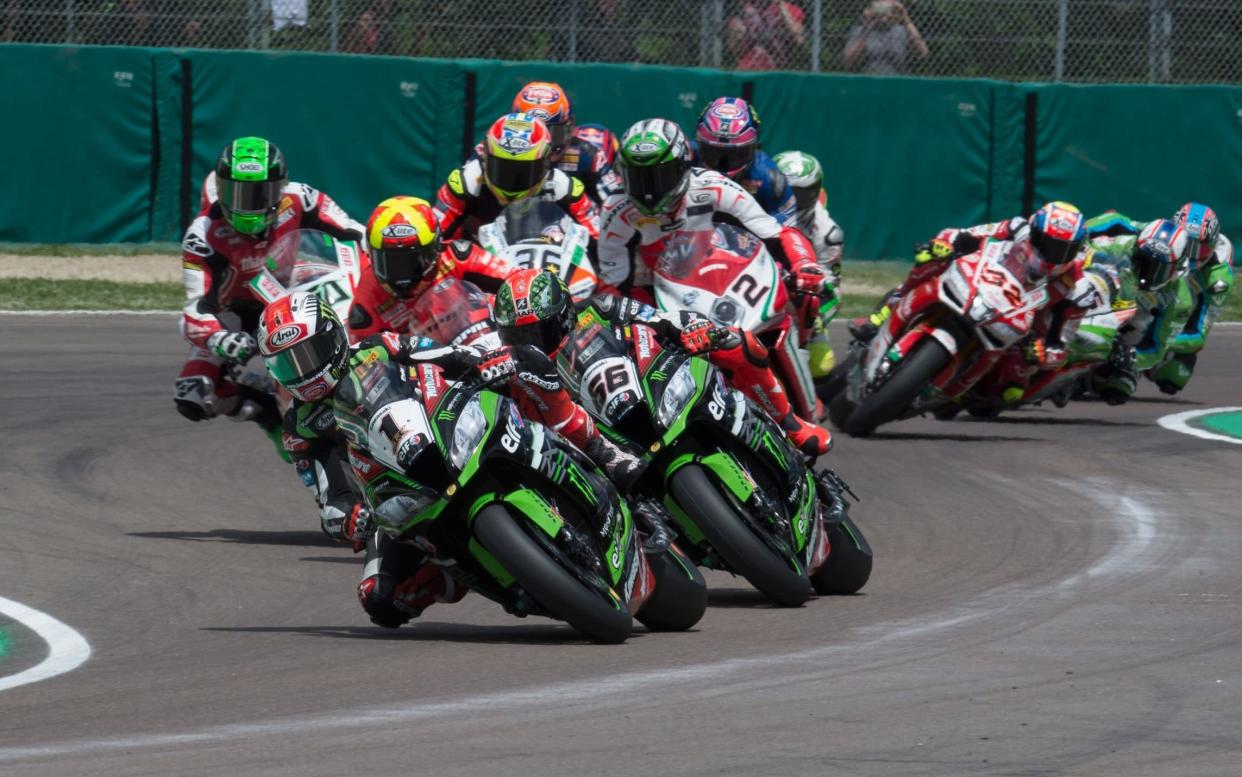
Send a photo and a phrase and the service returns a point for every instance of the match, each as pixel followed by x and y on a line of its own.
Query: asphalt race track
pixel 1055 592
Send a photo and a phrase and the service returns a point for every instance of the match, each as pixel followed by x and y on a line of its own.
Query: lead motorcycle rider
pixel 408 257
pixel 535 315
pixel 665 194
pixel 306 349
pixel 515 163
pixel 253 205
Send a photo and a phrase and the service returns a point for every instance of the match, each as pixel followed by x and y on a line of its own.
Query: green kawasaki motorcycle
pixel 510 509
pixel 742 497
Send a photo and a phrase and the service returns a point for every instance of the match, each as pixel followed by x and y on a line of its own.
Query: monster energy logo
pixel 446 415
pixel 658 375
pixel 771 445
pixel 578 478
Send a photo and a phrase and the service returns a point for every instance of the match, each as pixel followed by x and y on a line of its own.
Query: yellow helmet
pixel 517 156
pixel 404 236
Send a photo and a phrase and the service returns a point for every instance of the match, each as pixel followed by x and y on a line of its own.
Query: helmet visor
pixel 649 186
pixel 560 135
pixel 546 335
pixel 1151 270
pixel 515 175
pixel 1055 251
pixel 806 197
pixel 304 360
pixel 249 196
pixel 726 159
pixel 401 268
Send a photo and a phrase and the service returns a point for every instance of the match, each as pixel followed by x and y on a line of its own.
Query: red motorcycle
pixel 942 338
pixel 728 276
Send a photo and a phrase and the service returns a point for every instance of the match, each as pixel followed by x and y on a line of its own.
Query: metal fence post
pixel 573 31
pixel 252 24
pixel 1159 29
pixel 69 21
pixel 334 22
pixel 717 23
pixel 817 28
pixel 1062 28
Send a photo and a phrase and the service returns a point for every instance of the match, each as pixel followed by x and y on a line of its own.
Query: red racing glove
pixel 496 365
pixel 810 278
pixel 1045 356
pixel 699 336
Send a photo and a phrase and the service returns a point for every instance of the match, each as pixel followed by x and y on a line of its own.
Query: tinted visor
pixel 560 135
pixel 726 159
pixel 401 268
pixel 249 196
pixel 1055 251
pixel 650 185
pixel 1151 271
pixel 806 197
pixel 304 360
pixel 547 336
pixel 512 175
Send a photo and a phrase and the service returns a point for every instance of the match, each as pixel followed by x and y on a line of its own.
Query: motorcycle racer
pixel 1205 289
pixel 727 141
pixel 306 349
pixel 535 315
pixel 806 178
pixel 222 250
pixel 516 162
pixel 665 194
pixel 408 257
pixel 585 152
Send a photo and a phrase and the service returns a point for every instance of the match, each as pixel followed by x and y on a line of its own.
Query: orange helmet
pixel 404 236
pixel 547 101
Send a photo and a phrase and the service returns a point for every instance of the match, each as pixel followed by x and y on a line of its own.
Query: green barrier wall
pixel 110 144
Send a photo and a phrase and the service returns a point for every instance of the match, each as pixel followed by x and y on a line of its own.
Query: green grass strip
pixel 89 249
pixel 44 294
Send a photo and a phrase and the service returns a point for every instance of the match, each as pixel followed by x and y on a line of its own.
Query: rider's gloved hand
pixel 622 467
pixel 496 365
pixel 1045 355
pixel 234 346
pixel 699 336
pixel 458 360
pixel 810 278
pixel 358 527
pixel 934 250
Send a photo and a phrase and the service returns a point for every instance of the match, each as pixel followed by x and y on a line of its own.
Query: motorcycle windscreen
pixel 301 257
pixel 453 312
pixel 532 219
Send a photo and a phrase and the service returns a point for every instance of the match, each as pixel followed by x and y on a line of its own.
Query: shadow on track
pixel 1165 401
pixel 246 536
pixel 747 598
pixel 431 631
pixel 950 437
pixel 1046 420
pixel 348 558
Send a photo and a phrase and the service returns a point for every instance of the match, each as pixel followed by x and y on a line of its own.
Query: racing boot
pixel 1172 376
pixel 865 328
pixel 622 467
pixel 812 439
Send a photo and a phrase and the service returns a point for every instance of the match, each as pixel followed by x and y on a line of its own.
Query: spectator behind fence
pixel 766 37
pixel 881 44
pixel 363 36
pixel 604 36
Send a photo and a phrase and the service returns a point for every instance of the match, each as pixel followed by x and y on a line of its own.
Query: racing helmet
pixel 728 135
pixel 547 101
pixel 805 175
pixel 517 156
pixel 1159 254
pixel 655 165
pixel 250 175
pixel 1058 231
pixel 1201 226
pixel 304 345
pixel 534 307
pixel 601 137
pixel 403 234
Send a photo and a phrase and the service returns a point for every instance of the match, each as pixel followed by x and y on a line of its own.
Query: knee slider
pixel 193 397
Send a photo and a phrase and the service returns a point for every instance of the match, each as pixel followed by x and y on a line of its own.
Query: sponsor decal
pixel 195 244
pixel 315 391
pixel 537 380
pixel 431 389
pixel 409 89
pixel 399 231
pixel 285 335
pixel 644 147
pixel 248 167
pixel 123 78
pixel 540 94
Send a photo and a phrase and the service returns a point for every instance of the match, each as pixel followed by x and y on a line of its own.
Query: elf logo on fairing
pixel 285 335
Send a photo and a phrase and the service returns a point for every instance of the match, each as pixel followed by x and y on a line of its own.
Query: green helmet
pixel 655 165
pixel 534 307
pixel 805 175
pixel 250 175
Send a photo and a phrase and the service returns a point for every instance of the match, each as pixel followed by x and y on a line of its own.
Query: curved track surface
pixel 1055 593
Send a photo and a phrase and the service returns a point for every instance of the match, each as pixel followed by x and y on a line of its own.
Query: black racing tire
pixel 734 541
pixel 984 411
pixel 908 380
pixel 551 585
pixel 848 566
pixel 680 596
pixel 839 410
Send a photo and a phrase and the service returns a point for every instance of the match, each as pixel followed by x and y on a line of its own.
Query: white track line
pixel 1137 533
pixel 67 649
pixel 1179 422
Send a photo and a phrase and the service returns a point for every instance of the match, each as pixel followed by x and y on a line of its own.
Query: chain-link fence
pixel 1041 40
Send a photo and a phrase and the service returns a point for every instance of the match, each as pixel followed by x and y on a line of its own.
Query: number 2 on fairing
pixel 749 289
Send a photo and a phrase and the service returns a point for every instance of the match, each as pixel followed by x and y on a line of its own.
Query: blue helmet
pixel 1159 253
pixel 1058 231
pixel 1201 225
